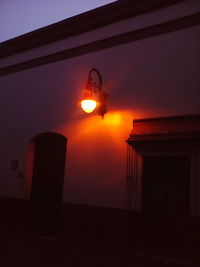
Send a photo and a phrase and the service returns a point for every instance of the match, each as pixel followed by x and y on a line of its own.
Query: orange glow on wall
pixel 96 157
pixel 88 105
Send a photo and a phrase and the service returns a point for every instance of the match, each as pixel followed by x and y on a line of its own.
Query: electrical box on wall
pixel 14 165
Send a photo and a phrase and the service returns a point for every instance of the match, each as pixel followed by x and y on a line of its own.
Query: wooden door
pixel 47 183
pixel 166 196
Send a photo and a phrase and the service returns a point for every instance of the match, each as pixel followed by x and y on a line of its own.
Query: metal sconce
pixel 94 96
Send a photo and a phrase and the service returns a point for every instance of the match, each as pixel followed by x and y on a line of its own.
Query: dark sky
pixel 21 16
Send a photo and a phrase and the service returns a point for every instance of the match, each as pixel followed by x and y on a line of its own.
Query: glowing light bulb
pixel 88 105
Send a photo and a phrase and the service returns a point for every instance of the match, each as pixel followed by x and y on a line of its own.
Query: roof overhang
pixel 166 128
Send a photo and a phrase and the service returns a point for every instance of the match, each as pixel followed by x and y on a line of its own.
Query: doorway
pixel 166 196
pixel 47 183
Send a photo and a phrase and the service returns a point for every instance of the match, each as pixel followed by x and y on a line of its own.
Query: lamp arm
pixel 99 86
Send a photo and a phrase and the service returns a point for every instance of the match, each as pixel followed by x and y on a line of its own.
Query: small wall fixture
pixel 14 165
pixel 94 97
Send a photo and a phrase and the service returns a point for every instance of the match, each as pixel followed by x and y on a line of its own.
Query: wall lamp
pixel 94 97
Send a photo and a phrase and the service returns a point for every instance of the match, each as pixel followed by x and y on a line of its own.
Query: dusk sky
pixel 21 16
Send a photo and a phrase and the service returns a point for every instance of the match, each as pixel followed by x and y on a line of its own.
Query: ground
pixel 24 250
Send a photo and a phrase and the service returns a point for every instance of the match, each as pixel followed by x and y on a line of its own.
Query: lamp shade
pixel 88 105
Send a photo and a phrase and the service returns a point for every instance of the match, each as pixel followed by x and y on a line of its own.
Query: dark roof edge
pixel 147 32
pixel 184 116
pixel 116 11
pixel 179 127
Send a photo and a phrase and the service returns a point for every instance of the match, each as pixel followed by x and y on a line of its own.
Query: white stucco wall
pixel 153 77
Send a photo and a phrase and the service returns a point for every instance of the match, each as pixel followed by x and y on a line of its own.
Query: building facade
pixel 147 53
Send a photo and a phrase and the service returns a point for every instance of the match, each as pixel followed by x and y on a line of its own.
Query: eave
pixel 91 20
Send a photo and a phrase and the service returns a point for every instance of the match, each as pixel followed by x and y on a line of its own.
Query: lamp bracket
pixel 94 81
